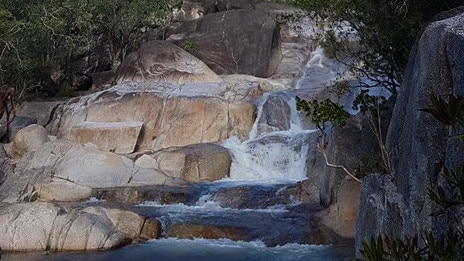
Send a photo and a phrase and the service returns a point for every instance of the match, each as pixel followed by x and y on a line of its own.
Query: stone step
pixel 117 137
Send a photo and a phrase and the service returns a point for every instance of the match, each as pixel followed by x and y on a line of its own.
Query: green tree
pixel 386 30
pixel 57 36
pixel 123 24
pixel 9 28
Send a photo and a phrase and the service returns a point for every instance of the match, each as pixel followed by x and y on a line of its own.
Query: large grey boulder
pixel 418 144
pixel 46 226
pixel 275 115
pixel 32 168
pixel 41 111
pixel 91 167
pixel 164 62
pixel 80 169
pixel 228 42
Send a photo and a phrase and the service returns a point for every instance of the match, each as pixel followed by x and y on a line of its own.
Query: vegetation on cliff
pixel 448 198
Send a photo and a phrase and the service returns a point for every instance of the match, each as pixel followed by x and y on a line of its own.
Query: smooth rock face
pixel 340 217
pixel 128 222
pixel 117 137
pixel 90 167
pixel 343 149
pixel 147 173
pixel 168 120
pixel 62 190
pixel 28 139
pixel 381 207
pixel 418 144
pixel 160 61
pixel 46 226
pixel 195 163
pixel 228 43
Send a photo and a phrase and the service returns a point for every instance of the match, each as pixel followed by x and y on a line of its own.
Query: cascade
pixel 273 155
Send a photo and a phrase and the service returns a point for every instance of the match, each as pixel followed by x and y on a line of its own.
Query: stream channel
pixel 254 207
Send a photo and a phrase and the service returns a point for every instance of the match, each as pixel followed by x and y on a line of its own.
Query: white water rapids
pixel 257 160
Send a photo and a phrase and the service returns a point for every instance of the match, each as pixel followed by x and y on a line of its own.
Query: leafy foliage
pixel 189 46
pixel 57 37
pixel 323 112
pixel 444 248
pixel 449 112
pixel 368 103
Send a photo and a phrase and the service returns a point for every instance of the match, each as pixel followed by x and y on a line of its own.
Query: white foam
pixel 94 199
pixel 208 207
pixel 268 162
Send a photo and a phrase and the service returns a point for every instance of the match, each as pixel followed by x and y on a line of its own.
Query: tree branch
pixel 337 166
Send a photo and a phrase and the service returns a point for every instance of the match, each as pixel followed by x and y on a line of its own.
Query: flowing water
pixel 263 166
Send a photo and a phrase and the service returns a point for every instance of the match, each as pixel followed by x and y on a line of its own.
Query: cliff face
pixel 397 205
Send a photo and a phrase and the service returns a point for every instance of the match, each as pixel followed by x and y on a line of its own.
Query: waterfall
pixel 277 147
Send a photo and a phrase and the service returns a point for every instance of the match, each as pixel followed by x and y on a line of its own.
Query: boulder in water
pixel 46 226
pixel 195 163
pixel 191 231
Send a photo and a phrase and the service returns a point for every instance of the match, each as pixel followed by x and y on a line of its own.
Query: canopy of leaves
pixel 50 36
pixel 323 112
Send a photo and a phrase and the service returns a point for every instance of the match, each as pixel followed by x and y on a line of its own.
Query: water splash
pixel 271 157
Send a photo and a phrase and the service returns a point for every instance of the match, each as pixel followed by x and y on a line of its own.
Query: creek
pixel 260 219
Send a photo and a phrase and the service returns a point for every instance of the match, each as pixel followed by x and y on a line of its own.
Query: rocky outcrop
pixel 172 115
pixel 47 226
pixel 162 61
pixel 40 111
pixel 419 145
pixel 228 43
